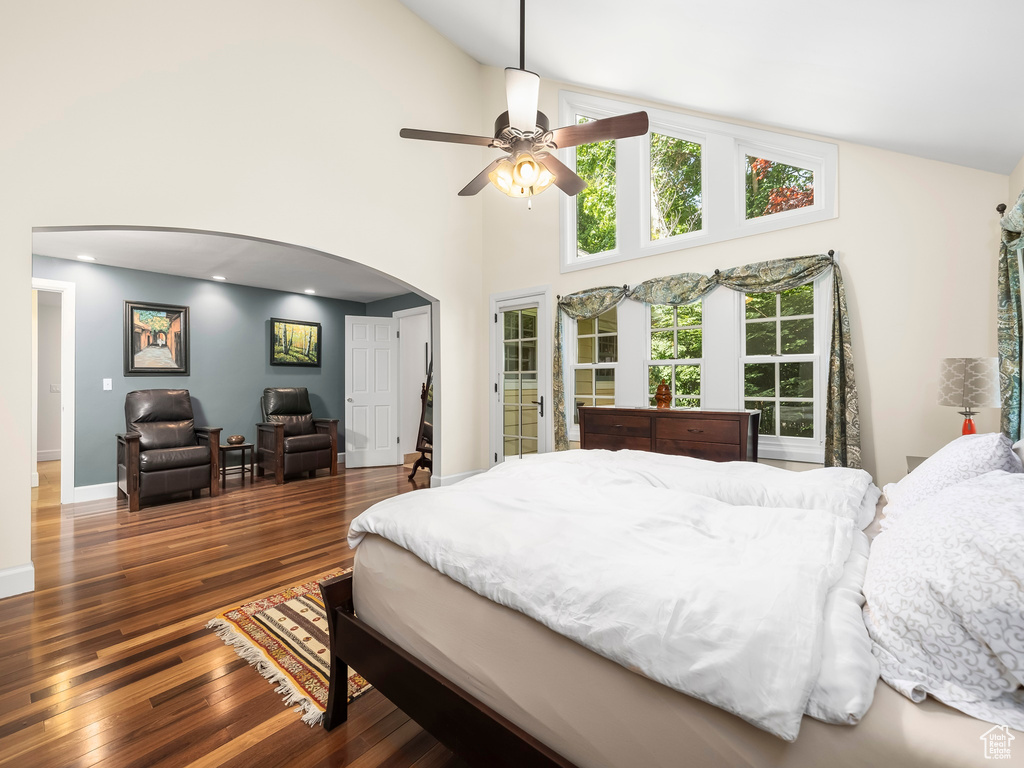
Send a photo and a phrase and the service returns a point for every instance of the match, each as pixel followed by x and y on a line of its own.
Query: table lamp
pixel 968 383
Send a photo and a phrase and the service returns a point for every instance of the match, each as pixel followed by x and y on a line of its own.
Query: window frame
pixel 698 361
pixel 572 339
pixel 785 447
pixel 687 239
pixel 723 169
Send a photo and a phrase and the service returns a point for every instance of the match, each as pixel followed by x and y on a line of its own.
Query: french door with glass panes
pixel 521 386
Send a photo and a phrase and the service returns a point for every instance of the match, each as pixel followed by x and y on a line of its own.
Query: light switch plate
pixel 108 384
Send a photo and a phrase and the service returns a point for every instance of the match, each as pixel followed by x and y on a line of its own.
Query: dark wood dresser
pixel 715 435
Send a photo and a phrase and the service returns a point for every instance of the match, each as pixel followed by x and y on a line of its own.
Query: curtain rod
pixel 1001 209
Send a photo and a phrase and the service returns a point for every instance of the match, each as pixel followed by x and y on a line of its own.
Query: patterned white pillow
pixel 966 457
pixel 945 609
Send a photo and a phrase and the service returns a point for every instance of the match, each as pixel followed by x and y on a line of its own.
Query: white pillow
pixel 966 457
pixel 944 603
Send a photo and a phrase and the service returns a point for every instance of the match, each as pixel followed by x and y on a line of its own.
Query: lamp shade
pixel 969 382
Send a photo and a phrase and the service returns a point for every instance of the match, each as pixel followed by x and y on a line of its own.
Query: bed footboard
pixel 465 725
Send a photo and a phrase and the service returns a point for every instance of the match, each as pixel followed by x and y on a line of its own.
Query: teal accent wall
pixel 230 353
pixel 385 307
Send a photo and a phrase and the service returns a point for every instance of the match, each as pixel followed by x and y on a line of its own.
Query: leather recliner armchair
pixel 163 452
pixel 290 441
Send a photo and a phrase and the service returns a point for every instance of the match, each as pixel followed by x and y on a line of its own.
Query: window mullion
pixel 628 194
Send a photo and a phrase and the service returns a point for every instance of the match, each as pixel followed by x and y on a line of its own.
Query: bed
pixel 501 688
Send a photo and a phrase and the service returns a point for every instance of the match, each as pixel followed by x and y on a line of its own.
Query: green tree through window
pixel 675 186
pixel 775 187
pixel 595 205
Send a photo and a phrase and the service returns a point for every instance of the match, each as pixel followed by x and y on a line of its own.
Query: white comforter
pixel 722 602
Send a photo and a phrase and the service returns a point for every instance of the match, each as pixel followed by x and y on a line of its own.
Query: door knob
pixel 540 412
pixel 351 400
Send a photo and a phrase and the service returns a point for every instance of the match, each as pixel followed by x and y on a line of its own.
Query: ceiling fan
pixel 523 132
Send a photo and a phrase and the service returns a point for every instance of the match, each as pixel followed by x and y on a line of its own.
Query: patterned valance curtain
pixel 842 419
pixel 1009 317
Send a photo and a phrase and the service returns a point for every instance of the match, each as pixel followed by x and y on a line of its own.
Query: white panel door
pixel 371 392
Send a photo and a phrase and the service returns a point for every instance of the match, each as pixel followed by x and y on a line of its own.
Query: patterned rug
pixel 285 637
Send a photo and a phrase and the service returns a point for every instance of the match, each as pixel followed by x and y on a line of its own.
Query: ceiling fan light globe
pixel 501 176
pixel 525 171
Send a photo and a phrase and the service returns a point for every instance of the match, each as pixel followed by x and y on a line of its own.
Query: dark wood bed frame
pixel 464 724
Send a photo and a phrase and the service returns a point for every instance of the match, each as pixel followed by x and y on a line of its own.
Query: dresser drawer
pixel 710 451
pixel 613 423
pixel 698 430
pixel 595 440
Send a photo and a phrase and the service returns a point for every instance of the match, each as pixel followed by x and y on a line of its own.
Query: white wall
pixel 1016 183
pixel 48 415
pixel 918 243
pixel 273 120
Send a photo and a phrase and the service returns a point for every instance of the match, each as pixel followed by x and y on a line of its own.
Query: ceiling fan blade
pixel 522 89
pixel 618 127
pixel 479 181
pixel 565 179
pixel 453 138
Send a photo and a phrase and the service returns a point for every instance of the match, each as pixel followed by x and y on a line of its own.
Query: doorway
pixel 520 374
pixel 53 402
pixel 413 363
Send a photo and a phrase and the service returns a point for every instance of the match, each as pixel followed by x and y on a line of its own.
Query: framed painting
pixel 294 342
pixel 155 339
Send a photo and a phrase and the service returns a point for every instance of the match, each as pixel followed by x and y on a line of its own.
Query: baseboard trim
pixel 35 479
pixel 52 455
pixel 438 480
pixel 95 492
pixel 17 580
pixel 341 458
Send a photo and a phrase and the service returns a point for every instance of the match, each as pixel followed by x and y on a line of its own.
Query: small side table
pixel 242 448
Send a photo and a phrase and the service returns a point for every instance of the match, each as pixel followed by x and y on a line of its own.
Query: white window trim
pixel 806 449
pixel 571 337
pixel 723 168
pixel 698 361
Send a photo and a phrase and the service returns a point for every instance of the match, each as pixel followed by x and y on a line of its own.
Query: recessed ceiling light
pixel 219 277
pixel 310 291
pixel 84 257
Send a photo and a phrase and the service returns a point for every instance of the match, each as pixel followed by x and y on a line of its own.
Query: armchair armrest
pixel 128 457
pixel 209 434
pixel 270 447
pixel 330 427
pixel 268 433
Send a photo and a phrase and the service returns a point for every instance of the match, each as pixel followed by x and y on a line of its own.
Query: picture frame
pixel 156 339
pixel 295 342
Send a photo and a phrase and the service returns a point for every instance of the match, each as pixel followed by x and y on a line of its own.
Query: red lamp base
pixel 969 428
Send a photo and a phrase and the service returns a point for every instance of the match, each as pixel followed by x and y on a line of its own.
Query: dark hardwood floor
pixel 108 663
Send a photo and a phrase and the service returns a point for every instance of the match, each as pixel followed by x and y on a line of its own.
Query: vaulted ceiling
pixel 937 79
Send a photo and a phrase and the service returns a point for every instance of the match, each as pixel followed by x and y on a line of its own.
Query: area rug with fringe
pixel 285 638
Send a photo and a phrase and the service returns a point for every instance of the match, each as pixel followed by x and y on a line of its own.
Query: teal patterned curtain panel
pixel 842 419
pixel 1009 317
